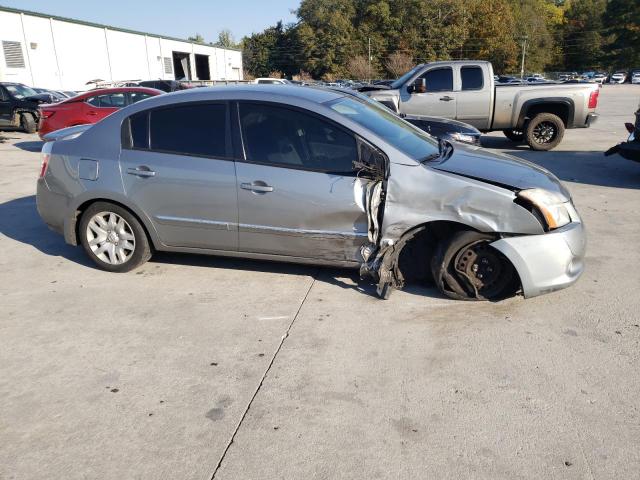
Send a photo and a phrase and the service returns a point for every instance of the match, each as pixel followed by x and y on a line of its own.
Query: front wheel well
pixel 420 244
pixel 82 207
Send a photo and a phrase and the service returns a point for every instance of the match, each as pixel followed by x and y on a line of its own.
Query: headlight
pixel 462 137
pixel 555 209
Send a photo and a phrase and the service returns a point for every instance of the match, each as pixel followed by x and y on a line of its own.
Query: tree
pixel 226 40
pixel 582 42
pixel 398 63
pixel 358 67
pixel 196 38
pixel 622 22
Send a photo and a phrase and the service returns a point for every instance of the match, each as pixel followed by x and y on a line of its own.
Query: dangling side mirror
pixel 372 162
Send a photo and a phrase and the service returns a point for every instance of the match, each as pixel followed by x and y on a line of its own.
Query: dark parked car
pixel 631 148
pixel 19 106
pixel 164 85
pixel 51 96
pixel 446 129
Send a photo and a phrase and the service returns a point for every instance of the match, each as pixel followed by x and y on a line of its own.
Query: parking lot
pixel 192 366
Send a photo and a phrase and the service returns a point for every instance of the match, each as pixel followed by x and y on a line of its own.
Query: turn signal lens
pixel 47 113
pixel 45 164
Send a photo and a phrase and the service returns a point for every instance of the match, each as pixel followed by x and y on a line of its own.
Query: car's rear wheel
pixel 28 123
pixel 544 131
pixel 514 135
pixel 113 238
pixel 466 267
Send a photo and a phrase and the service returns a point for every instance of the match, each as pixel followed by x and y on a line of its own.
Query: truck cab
pixel 537 113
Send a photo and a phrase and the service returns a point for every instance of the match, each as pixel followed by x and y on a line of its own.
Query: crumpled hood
pixel 500 169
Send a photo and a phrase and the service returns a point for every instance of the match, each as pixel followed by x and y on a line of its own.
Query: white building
pixel 64 54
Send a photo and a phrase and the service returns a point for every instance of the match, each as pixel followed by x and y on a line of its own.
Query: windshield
pixel 388 126
pixel 401 81
pixel 20 91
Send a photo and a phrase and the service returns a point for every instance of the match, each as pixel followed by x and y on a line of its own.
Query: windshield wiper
pixel 445 150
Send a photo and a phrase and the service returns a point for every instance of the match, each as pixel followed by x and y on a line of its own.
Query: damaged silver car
pixel 313 176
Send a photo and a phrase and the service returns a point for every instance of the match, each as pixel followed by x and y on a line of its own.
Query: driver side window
pixel 439 79
pixel 286 137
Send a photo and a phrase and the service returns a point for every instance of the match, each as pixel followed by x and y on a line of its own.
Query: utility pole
pixel 524 52
pixel 369 68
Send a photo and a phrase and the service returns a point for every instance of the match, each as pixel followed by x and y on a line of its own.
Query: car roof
pixel 229 91
pixel 106 91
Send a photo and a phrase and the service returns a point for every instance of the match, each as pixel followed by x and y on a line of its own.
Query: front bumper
pixel 547 262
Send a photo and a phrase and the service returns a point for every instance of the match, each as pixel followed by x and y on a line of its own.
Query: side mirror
pixel 419 86
pixel 371 162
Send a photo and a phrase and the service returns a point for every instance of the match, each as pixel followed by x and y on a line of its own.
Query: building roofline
pixel 109 27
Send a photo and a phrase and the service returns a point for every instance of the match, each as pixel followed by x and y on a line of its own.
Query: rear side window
pixel 439 80
pixel 281 136
pixel 114 100
pixel 137 96
pixel 196 129
pixel 472 78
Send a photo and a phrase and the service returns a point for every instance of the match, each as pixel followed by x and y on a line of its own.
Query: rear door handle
pixel 91 113
pixel 446 98
pixel 256 187
pixel 141 172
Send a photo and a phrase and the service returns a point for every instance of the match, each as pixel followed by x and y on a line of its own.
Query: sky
pixel 176 18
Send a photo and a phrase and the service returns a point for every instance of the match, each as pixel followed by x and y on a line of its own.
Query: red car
pixel 89 107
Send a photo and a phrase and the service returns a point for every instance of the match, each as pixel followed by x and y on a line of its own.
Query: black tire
pixel 28 123
pixel 514 135
pixel 466 267
pixel 141 251
pixel 544 131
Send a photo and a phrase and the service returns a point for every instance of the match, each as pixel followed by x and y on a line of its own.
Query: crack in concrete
pixel 262 379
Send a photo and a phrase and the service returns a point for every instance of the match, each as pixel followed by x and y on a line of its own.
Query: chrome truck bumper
pixel 547 262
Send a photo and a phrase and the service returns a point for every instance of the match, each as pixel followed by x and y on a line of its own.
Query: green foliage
pixel 332 38
pixel 622 22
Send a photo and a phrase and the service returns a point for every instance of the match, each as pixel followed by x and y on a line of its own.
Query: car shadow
pixel 32 146
pixel 586 167
pixel 20 221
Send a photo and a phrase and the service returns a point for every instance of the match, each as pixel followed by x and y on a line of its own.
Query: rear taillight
pixel 45 164
pixel 47 113
pixel 593 98
pixel 630 127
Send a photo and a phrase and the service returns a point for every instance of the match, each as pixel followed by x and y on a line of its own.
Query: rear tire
pixel 544 131
pixel 466 267
pixel 514 135
pixel 28 123
pixel 113 238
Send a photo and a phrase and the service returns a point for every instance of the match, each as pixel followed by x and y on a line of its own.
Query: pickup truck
pixel 466 91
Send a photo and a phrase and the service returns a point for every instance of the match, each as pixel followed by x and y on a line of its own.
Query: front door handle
pixel 446 98
pixel 256 187
pixel 141 172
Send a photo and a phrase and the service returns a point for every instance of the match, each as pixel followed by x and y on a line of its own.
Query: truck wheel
pixel 466 267
pixel 28 122
pixel 514 135
pixel 544 131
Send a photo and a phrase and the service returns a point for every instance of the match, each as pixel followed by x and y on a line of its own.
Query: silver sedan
pixel 310 175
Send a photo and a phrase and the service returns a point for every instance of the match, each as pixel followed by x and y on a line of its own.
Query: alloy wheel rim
pixel 544 132
pixel 110 238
